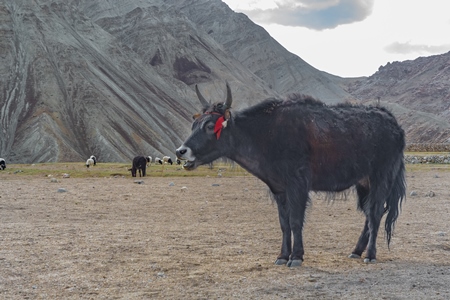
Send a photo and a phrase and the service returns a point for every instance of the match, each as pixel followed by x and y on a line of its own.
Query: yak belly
pixel 335 169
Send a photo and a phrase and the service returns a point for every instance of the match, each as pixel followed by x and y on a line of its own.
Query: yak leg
pixel 374 217
pixel 283 216
pixel 291 214
pixel 362 242
pixel 362 192
pixel 372 203
pixel 297 201
pixel 378 197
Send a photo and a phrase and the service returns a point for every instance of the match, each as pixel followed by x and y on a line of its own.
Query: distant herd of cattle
pixel 139 163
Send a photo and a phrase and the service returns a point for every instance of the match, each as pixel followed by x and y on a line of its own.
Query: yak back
pixel 302 121
pixel 335 144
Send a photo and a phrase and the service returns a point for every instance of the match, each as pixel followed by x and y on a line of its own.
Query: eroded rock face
pixel 70 91
pixel 116 83
pixel 259 52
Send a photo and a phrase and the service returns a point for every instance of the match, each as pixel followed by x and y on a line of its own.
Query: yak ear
pixel 196 116
pixel 227 114
pixel 201 98
pixel 229 97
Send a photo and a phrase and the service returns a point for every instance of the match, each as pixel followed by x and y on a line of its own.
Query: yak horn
pixel 229 98
pixel 201 98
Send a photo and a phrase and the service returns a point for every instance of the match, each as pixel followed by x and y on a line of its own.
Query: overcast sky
pixel 351 38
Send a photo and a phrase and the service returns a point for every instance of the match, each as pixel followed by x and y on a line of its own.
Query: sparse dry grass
pixel 205 238
pixel 79 170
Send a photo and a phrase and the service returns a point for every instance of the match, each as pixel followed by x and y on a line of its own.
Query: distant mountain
pixel 259 52
pixel 116 78
pixel 110 78
pixel 417 91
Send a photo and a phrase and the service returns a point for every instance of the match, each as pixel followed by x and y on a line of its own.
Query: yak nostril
pixel 183 151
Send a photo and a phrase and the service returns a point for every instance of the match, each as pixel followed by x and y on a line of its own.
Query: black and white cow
pixel 167 160
pixel 90 162
pixel 2 164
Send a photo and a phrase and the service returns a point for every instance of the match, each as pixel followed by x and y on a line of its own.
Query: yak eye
pixel 210 126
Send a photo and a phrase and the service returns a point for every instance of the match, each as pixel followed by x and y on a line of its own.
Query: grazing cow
pixel 139 163
pixel 94 159
pixel 2 164
pixel 158 160
pixel 90 162
pixel 299 145
pixel 167 160
pixel 149 161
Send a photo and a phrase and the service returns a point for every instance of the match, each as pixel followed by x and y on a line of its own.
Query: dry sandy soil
pixel 111 238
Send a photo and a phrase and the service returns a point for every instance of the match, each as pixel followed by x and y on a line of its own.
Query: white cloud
pixel 353 38
pixel 313 14
pixel 406 48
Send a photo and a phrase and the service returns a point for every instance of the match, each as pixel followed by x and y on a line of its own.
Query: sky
pixel 352 38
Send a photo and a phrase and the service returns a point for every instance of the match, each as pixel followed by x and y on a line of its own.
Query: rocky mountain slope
pixel 117 83
pixel 417 91
pixel 259 52
pixel 116 78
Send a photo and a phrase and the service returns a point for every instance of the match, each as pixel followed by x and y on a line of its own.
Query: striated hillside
pixel 259 52
pixel 116 78
pixel 117 83
pixel 417 91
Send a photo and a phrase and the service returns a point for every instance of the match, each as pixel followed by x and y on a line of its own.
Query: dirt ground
pixel 209 238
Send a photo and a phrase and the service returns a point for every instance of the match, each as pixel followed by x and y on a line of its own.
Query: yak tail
pixel 395 199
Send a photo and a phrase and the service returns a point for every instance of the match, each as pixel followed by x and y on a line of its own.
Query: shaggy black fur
pixel 139 163
pixel 299 145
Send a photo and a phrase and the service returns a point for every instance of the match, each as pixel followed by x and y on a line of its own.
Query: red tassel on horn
pixel 218 127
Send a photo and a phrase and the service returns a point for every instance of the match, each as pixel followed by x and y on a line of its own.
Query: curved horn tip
pixel 229 97
pixel 200 97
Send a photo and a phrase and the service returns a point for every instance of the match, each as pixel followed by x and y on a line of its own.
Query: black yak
pixel 300 144
pixel 2 164
pixel 139 163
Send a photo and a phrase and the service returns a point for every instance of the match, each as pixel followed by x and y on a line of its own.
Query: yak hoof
pixel 281 261
pixel 370 261
pixel 294 263
pixel 353 255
